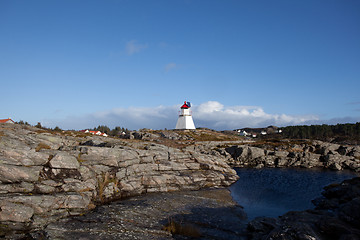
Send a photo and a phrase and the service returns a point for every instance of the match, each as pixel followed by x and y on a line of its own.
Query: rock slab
pixel 46 176
pixel 203 214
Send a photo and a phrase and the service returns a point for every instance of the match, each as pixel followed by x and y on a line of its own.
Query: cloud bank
pixel 211 114
pixel 218 116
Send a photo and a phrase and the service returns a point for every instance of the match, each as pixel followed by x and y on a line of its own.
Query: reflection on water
pixel 272 192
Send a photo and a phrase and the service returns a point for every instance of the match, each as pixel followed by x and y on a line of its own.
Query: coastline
pixel 53 178
pixel 206 214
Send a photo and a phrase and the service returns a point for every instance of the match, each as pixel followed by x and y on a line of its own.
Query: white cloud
pixel 133 47
pixel 210 107
pixel 132 118
pixel 215 115
pixel 170 66
pixel 211 114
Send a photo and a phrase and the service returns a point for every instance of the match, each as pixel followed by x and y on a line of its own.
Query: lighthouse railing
pixel 182 113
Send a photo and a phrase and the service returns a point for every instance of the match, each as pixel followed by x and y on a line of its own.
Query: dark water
pixel 271 192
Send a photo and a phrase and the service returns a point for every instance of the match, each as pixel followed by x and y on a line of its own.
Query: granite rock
pixel 308 155
pixel 48 176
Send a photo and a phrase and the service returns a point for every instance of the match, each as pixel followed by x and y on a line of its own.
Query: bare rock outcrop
pixel 47 176
pixel 203 214
pixel 307 155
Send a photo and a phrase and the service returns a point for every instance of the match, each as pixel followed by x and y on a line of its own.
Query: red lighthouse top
pixel 185 106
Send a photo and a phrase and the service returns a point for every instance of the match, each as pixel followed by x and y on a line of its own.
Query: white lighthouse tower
pixel 185 120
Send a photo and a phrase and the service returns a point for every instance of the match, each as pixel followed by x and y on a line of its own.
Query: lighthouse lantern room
pixel 185 120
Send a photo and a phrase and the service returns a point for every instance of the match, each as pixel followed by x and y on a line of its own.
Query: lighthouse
pixel 185 120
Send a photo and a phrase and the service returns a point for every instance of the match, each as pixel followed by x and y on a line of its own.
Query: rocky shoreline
pixel 242 152
pixel 205 214
pixel 48 176
pixel 336 216
pixel 49 180
pixel 286 153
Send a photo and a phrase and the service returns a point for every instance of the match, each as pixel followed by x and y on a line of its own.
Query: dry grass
pixel 102 183
pixel 42 131
pixel 289 145
pixel 192 136
pixel 42 146
pixel 80 160
pixel 176 144
pixel 208 135
pixel 85 190
pixel 296 150
pixel 75 134
pixel 91 206
pixel 70 133
pixel 184 229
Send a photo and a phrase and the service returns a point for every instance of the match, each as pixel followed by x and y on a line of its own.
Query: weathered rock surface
pixel 205 214
pixel 45 177
pixel 307 155
pixel 212 214
pixel 336 216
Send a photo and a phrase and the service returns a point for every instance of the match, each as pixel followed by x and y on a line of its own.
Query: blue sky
pixel 79 64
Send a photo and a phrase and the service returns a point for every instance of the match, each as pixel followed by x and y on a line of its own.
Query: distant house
pixel 258 132
pixel 98 133
pixel 243 133
pixel 94 133
pixel 9 120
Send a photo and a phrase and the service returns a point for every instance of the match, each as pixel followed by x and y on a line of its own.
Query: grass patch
pixel 180 228
pixel 70 133
pixel 85 190
pixel 41 146
pixel 75 134
pixel 289 145
pixel 102 184
pixel 176 144
pixel 42 131
pixel 208 135
pixel 80 160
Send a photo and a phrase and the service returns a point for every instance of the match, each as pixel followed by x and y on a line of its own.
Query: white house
pixel 95 132
pixel 243 133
